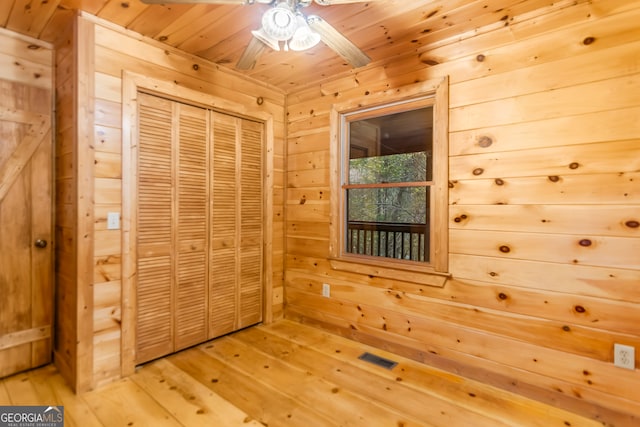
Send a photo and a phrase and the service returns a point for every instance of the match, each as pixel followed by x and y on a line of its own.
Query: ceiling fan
pixel 285 27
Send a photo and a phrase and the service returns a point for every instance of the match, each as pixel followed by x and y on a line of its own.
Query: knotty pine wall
pixel 67 296
pixel 91 61
pixel 544 207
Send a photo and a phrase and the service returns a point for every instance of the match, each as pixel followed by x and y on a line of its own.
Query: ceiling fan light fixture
pixel 266 39
pixel 279 22
pixel 303 38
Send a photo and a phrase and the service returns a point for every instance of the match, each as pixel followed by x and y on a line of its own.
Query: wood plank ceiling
pixel 387 30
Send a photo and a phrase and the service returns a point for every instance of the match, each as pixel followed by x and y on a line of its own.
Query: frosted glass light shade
pixel 279 22
pixel 264 38
pixel 303 38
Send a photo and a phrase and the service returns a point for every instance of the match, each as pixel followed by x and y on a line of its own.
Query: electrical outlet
pixel 624 356
pixel 326 290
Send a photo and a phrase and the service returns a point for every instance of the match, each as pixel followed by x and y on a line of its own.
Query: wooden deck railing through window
pixel 390 240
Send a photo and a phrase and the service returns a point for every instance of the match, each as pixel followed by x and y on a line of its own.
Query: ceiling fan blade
pixel 198 1
pixel 250 55
pixel 338 42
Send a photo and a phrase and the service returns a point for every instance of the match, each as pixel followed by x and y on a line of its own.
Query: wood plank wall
pixel 65 353
pixel 544 210
pixel 99 85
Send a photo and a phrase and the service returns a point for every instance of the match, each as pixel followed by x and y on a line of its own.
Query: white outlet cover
pixel 624 356
pixel 113 220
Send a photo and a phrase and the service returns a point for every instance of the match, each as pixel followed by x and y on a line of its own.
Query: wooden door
pixel 199 225
pixel 26 285
pixel 236 291
pixel 172 227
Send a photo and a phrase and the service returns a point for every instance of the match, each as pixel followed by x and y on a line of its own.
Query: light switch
pixel 113 220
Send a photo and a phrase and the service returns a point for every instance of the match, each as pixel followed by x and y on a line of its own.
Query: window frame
pixel 430 93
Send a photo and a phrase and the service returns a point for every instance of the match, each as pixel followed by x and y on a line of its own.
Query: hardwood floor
pixel 284 374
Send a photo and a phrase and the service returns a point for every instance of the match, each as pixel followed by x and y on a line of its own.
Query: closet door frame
pixel 134 83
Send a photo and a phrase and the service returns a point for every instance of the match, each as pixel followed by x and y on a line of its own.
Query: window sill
pixel 407 272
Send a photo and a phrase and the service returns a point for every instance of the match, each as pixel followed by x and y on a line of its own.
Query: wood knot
pixel 493 274
pixel 303 200
pixel 480 58
pixel 574 165
pixel 451 184
pixel 588 40
pixel 195 67
pixel 505 249
pixel 478 171
pixel 485 141
pixel 163 38
pixel 585 242
pixel 429 61
pixel 259 100
pixel 579 309
pixel 460 218
pixel 554 178
pixel 499 181
pixel 566 328
pixel 632 224
pixel 502 296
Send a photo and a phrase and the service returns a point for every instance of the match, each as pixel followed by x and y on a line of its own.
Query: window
pixel 390 164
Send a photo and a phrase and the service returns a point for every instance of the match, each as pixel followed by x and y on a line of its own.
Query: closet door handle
pixel 40 243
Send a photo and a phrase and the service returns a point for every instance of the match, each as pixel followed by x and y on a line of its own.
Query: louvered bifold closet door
pixel 191 240
pixel 172 227
pixel 236 266
pixel 223 298
pixel 154 287
pixel 251 225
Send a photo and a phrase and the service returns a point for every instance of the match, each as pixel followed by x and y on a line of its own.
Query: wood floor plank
pixel 261 401
pixel 123 403
pixel 188 400
pixel 51 389
pixel 20 390
pixel 4 395
pixel 481 398
pixel 313 391
pixel 374 383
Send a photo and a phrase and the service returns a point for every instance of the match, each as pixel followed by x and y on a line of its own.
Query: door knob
pixel 41 243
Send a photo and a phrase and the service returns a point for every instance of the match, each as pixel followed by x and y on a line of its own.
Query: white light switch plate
pixel 113 220
pixel 326 290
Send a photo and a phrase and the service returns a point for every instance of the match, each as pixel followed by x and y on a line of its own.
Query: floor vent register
pixel 377 360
